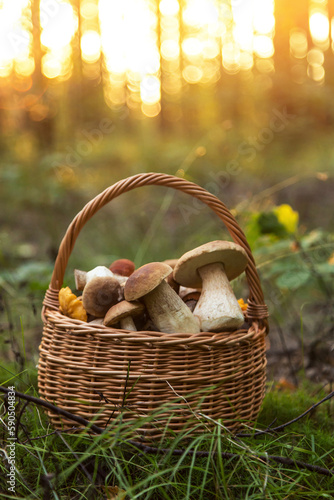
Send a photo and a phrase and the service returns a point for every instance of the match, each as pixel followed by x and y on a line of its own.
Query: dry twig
pixel 152 449
pixel 283 426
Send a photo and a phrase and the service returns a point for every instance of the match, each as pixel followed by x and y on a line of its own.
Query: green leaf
pixel 325 268
pixel 293 280
pixel 269 223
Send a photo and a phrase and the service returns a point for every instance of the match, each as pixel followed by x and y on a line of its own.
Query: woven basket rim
pixel 78 327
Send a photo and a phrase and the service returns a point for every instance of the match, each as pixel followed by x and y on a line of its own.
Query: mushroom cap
pixel 185 291
pixel 170 262
pixel 192 296
pixel 123 267
pixel 100 294
pixel 122 310
pixel 145 279
pixel 231 255
pixel 97 272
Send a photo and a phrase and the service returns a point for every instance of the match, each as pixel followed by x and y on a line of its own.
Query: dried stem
pixel 283 426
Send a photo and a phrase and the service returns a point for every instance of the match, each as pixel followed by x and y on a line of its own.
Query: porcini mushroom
pixel 97 272
pixel 171 262
pixel 99 294
pixel 122 267
pixel 170 279
pixel 124 312
pixel 96 321
pixel 212 266
pixel 191 298
pixel 82 277
pixel 167 311
pixel 193 292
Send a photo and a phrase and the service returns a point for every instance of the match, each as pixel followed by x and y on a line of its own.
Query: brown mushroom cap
pixel 122 310
pixel 145 279
pixel 123 267
pixel 170 262
pixel 185 291
pixel 232 256
pixel 100 294
pixel 191 296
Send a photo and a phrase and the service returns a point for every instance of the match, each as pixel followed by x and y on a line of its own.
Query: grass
pixel 79 466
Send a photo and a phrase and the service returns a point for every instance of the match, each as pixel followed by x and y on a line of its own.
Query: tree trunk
pixel 284 14
pixel 76 84
pixel 44 129
pixel 37 48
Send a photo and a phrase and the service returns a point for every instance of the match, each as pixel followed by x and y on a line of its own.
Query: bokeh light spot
pixel 192 74
pixel 90 46
pixel 169 7
pixel 319 27
pixel 263 46
pixel 151 110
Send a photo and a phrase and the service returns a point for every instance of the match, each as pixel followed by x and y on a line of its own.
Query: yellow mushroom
pixel 71 305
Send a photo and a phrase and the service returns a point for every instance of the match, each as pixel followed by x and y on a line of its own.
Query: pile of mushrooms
pixel 185 295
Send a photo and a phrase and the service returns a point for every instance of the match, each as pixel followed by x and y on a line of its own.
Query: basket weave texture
pixel 102 373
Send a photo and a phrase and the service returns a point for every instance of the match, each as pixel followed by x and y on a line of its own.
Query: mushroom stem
pixel 168 311
pixel 80 279
pixel 127 323
pixel 217 307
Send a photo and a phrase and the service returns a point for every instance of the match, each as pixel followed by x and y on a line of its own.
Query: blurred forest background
pixel 236 96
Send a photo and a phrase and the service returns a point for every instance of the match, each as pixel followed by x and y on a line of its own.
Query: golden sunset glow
pixel 135 41
pixel 15 39
pixel 56 61
pixel 131 55
pixel 90 46
pixel 201 13
pixel 319 27
pixel 169 7
pixel 263 18
pixel 253 31
pixel 298 43
pixel 263 46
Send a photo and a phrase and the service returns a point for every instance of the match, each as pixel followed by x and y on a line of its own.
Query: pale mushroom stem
pixel 168 312
pixel 217 307
pixel 80 279
pixel 127 323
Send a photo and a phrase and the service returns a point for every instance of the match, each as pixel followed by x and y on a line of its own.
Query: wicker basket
pixel 177 379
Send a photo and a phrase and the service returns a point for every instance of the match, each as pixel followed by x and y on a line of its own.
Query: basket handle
pixel 256 307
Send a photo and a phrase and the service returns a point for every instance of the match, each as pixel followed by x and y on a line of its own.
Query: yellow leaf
pixel 284 385
pixel 114 493
pixel 322 176
pixel 71 305
pixel 287 217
